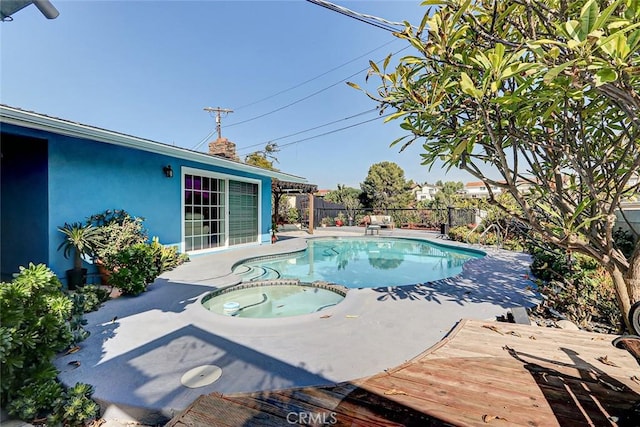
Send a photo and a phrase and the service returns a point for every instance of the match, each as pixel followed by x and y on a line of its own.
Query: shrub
pixel 462 233
pixel 34 314
pixel 575 286
pixel 37 321
pixel 117 230
pixel 292 215
pixel 134 268
pixel 166 257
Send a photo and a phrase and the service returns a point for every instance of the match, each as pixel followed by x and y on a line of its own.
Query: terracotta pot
pixel 104 273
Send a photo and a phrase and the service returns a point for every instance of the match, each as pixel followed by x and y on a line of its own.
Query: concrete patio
pixel 140 347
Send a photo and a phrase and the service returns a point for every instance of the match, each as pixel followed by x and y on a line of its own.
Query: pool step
pixel 257 273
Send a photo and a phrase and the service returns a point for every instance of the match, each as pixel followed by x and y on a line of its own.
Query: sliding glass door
pixel 207 199
pixel 243 212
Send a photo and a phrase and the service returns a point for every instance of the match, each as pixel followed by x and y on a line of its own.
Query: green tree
pixel 264 158
pixel 448 194
pixel 348 197
pixel 544 93
pixel 385 187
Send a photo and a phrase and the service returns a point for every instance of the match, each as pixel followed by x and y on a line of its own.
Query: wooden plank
pixel 554 379
pixel 453 398
pixel 469 384
pixel 359 406
pixel 215 411
pixel 583 359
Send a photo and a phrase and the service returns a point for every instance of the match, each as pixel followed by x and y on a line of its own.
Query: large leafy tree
pixel 545 94
pixel 385 187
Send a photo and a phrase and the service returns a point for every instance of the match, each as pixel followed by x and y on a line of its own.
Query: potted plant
pixel 79 240
pixel 117 230
pixel 326 221
pixel 339 220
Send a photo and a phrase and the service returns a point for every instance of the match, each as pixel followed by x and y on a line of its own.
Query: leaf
pixel 605 75
pixel 73 349
pixel 352 316
pixel 493 328
pixel 572 44
pixel 374 66
pixel 571 27
pixel 606 361
pixel 394 116
pixel 553 73
pixel 386 61
pixel 325 316
pixel 354 85
pixel 588 18
pixel 605 14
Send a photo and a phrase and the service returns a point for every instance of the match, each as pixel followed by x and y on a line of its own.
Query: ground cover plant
pixel 37 321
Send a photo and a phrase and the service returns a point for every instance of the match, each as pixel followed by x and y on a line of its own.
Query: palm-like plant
pixel 79 239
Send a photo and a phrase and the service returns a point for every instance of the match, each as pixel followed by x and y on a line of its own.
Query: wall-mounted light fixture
pixel 168 172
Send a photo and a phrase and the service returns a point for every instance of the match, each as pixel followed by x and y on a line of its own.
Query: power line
pixel 307 130
pixel 334 131
pixel 298 100
pixel 367 19
pixel 203 140
pixel 308 96
pixel 316 77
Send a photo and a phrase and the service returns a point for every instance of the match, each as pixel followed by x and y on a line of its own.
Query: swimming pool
pixel 362 262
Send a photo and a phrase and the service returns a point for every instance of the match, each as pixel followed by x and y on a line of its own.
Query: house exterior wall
pixel 85 177
pixel 24 195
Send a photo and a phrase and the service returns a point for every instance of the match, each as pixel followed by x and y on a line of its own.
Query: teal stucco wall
pixel 81 177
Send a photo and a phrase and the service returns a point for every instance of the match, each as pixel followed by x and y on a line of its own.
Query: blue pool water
pixel 362 262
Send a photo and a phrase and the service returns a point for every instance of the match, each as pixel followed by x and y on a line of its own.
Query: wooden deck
pixel 482 373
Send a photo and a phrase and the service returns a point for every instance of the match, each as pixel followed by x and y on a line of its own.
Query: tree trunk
pixel 633 277
pixel 622 288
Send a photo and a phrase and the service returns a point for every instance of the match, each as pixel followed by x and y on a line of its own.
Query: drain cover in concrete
pixel 201 376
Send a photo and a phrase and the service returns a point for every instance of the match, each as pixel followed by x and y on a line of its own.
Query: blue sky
pixel 149 68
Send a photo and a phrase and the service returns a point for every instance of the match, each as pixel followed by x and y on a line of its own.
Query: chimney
pixel 222 147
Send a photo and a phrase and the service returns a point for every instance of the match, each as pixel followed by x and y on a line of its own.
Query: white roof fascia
pixel 37 121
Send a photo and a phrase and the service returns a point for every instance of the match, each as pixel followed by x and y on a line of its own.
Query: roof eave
pixel 37 121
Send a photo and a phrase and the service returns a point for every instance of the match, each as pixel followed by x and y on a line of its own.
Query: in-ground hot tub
pixel 272 299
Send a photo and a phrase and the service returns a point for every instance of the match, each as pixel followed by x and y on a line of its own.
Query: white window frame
pixel 185 170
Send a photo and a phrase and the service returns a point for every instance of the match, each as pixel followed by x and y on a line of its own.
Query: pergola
pixel 280 188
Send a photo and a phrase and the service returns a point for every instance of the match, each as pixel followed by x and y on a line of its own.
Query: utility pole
pixel 218 112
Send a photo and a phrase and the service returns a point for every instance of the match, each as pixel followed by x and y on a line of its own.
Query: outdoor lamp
pixel 168 172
